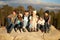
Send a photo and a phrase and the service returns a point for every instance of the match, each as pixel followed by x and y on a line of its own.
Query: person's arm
pixel 49 20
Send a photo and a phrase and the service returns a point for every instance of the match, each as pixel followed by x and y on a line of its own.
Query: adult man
pixel 11 20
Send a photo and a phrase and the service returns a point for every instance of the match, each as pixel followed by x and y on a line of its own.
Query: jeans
pixel 18 26
pixel 41 27
pixel 47 27
pixel 10 25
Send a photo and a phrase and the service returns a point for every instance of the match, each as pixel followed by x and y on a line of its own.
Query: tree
pixel 58 17
pixel 41 12
pixel 21 9
pixel 5 11
pixel 52 13
pixel 30 8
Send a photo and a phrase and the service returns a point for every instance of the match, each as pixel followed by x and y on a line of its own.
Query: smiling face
pixel 34 13
pixel 41 18
pixel 26 13
pixel 46 14
pixel 14 13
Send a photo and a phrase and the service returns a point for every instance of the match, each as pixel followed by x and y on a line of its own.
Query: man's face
pixel 26 13
pixel 14 13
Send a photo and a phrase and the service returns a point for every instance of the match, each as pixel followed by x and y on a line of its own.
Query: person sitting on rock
pixel 33 22
pixel 41 23
pixel 47 19
pixel 19 23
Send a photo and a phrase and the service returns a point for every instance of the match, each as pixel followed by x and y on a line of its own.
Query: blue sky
pixel 47 3
pixel 29 1
pixel 52 1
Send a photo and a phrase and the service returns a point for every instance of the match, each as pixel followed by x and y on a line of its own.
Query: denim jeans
pixel 18 26
pixel 10 25
pixel 47 27
pixel 42 27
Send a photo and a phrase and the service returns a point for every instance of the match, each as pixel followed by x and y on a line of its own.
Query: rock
pixel 53 34
pixel 5 37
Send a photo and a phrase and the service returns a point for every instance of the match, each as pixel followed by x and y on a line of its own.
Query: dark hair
pixel 47 11
pixel 14 11
pixel 26 11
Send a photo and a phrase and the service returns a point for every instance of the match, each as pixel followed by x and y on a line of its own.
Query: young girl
pixel 33 22
pixel 41 23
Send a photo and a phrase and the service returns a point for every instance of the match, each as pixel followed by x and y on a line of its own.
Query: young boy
pixel 41 22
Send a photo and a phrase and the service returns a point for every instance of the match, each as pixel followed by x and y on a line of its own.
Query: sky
pixel 33 1
pixel 48 3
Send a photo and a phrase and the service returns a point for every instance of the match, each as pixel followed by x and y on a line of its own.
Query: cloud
pixel 2 3
pixel 52 8
pixel 28 2
pixel 47 5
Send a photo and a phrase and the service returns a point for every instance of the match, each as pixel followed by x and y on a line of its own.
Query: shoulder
pixel 9 15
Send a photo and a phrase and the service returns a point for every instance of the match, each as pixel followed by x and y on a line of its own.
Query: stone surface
pixel 54 34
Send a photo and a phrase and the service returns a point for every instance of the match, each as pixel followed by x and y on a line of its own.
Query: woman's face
pixel 41 18
pixel 34 12
pixel 46 14
pixel 20 15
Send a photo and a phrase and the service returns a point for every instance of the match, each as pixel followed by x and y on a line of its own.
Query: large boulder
pixel 53 34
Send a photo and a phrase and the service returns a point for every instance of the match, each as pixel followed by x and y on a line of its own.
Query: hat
pixel 20 14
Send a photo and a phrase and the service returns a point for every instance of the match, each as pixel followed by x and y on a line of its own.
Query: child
pixel 41 22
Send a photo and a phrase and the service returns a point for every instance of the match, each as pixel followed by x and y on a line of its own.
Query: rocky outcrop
pixel 53 34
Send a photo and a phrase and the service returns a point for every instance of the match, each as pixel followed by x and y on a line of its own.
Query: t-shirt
pixel 26 18
pixel 13 17
pixel 17 22
pixel 41 22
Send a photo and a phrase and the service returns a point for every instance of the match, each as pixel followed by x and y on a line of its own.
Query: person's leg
pixel 43 28
pixel 8 29
pixel 24 26
pixel 15 27
pixel 21 26
pixel 47 27
pixel 35 28
pixel 38 27
pixel 9 25
pixel 12 26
